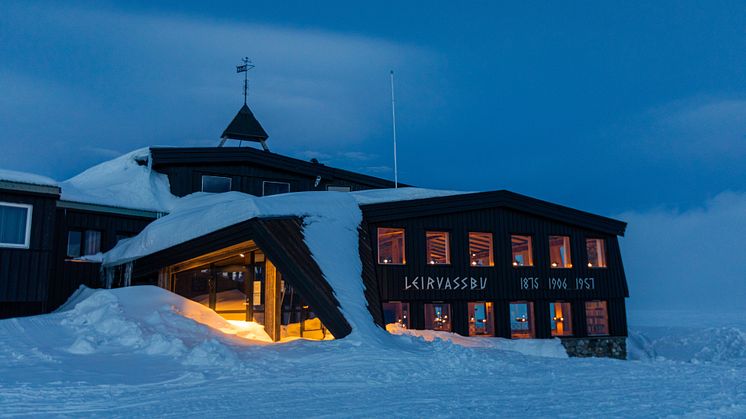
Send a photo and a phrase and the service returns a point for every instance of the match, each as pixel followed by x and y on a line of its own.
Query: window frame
pixel 83 242
pixel 338 188
pixel 605 254
pixel 569 250
pixel 27 236
pixel 569 319
pixel 449 259
pixel 492 249
pixel 202 180
pixel 607 318
pixel 404 247
pixel 530 247
pixel 265 182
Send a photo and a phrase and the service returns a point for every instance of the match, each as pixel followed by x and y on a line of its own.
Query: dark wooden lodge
pixel 493 264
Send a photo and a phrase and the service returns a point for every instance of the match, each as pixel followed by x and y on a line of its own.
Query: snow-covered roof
pixel 331 221
pixel 27 178
pixel 126 182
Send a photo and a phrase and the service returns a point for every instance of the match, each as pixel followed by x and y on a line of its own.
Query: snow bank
pixel 23 177
pixel 122 182
pixel 548 348
pixel 720 345
pixel 378 196
pixel 153 321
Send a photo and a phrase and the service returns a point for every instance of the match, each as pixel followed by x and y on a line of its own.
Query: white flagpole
pixel 393 119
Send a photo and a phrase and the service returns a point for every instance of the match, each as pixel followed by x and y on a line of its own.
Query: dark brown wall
pixel 68 275
pixel 24 273
pixel 503 280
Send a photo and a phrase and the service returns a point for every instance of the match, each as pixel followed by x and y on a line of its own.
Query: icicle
pixel 108 277
pixel 127 274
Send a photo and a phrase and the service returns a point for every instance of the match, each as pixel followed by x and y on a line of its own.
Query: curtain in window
pixel 92 242
pixel 13 224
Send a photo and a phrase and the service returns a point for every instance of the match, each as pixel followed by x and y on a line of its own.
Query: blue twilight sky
pixel 604 106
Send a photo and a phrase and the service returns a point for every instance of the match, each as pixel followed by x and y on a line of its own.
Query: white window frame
pixel 265 182
pixel 29 214
pixel 230 182
pixel 338 188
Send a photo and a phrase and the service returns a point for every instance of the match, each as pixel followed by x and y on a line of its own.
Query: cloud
pixel 136 79
pixel 707 130
pixel 688 259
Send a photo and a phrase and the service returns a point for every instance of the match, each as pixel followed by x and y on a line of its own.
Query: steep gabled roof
pixel 245 127
pixel 484 200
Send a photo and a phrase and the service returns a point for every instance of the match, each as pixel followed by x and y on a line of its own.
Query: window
pixel 522 320
pixel 216 184
pixel 523 254
pixel 597 318
pixel 83 243
pixel 15 225
pixel 559 252
pixel 438 317
pixel 338 188
pixel 438 247
pixel 596 249
pixel 560 318
pixel 480 249
pixel 274 188
pixel 391 246
pixel 396 315
pixel 481 321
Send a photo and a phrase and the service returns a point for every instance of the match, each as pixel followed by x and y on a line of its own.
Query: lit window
pixel 522 320
pixel 274 188
pixel 480 249
pixel 338 188
pixel 560 318
pixel 597 318
pixel 391 246
pixel 396 315
pixel 481 322
pixel 15 225
pixel 438 247
pixel 596 253
pixel 438 317
pixel 559 252
pixel 216 184
pixel 522 250
pixel 83 243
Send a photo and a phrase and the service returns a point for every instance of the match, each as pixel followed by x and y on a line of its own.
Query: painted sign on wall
pixel 445 283
pixel 556 283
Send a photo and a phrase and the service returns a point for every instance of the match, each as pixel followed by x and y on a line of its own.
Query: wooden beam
pixel 272 303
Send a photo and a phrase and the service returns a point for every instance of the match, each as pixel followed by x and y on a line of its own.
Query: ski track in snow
pixel 131 372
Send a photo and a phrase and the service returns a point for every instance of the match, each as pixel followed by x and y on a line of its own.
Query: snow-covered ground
pixel 142 351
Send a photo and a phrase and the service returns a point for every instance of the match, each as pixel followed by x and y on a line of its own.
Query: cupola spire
pixel 244 126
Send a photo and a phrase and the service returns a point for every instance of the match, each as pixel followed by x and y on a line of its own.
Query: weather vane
pixel 244 68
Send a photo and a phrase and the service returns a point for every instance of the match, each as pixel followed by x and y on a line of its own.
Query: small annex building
pixel 313 251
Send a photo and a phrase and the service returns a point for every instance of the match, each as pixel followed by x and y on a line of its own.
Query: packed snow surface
pixel 126 182
pixel 144 352
pixel 28 178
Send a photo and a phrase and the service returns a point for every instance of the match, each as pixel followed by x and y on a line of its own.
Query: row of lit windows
pixel 438 249
pixel 522 322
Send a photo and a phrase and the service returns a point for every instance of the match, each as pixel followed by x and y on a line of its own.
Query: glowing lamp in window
pixel 596 249
pixel 480 249
pixel 438 247
pixel 559 252
pixel 522 250
pixel 391 246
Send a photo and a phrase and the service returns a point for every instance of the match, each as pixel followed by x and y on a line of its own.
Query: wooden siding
pixel 248 168
pixel 503 281
pixel 67 276
pixel 24 273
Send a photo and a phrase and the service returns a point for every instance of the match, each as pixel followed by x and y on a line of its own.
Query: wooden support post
pixel 249 287
pixel 272 302
pixel 212 285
